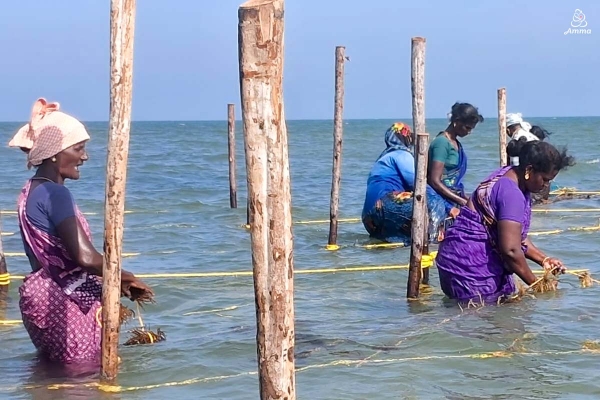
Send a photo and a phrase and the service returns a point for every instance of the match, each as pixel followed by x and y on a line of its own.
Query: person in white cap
pixel 522 132
pixel 517 128
pixel 513 123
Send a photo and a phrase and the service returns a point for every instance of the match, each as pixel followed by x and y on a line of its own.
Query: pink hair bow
pixel 25 137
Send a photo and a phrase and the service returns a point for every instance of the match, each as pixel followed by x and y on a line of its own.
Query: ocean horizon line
pixel 308 119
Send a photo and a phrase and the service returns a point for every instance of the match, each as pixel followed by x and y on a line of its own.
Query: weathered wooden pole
pixel 418 219
pixel 417 80
pixel 4 276
pixel 338 129
pixel 502 125
pixel 231 143
pixel 261 49
pixel 122 23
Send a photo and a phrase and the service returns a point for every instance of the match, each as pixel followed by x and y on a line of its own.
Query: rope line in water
pixel 368 246
pixel 538 210
pixel 345 363
pixel 365 268
pixel 534 233
pixel 571 191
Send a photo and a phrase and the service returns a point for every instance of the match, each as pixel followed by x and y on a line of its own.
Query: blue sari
pixel 387 212
pixel 453 179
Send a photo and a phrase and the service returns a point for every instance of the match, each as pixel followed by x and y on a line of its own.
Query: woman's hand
pixel 133 288
pixel 454 212
pixel 553 264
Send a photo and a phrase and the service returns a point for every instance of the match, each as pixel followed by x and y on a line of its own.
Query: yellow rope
pixel 572 229
pixel 426 262
pixel 11 322
pixel 572 191
pixel 335 363
pixel 381 246
pixel 534 233
pixel 578 273
pixel 366 268
pixel 539 210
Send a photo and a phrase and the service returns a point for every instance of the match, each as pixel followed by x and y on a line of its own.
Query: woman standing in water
pixel 489 241
pixel 447 158
pixel 61 299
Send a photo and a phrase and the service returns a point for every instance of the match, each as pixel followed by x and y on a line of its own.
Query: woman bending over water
pixel 489 241
pixel 447 159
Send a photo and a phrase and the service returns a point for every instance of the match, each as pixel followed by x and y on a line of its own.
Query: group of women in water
pixel 484 244
pixel 483 237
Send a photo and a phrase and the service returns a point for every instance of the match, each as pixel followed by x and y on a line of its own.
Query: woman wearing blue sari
pixel 387 211
pixel 447 158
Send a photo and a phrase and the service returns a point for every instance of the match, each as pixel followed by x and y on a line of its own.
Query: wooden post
pixel 4 277
pixel 122 23
pixel 418 113
pixel 417 80
pixel 336 173
pixel 261 49
pixel 418 218
pixel 502 125
pixel 231 142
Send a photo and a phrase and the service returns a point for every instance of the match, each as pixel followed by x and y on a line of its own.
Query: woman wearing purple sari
pixel 488 242
pixel 61 299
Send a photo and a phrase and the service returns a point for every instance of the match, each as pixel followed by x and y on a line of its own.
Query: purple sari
pixel 60 303
pixel 469 263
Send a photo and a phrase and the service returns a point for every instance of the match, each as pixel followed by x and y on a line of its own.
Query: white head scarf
pixel 513 118
pixel 48 132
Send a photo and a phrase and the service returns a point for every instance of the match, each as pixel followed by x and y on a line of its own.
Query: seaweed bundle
pixel 125 314
pixel 142 336
pixel 547 283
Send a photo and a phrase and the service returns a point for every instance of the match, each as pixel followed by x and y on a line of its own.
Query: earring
pixel 53 159
pixel 526 176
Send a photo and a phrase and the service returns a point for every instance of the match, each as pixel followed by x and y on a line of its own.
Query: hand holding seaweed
pixel 135 289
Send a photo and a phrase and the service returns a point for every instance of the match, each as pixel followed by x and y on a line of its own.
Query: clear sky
pixel 186 65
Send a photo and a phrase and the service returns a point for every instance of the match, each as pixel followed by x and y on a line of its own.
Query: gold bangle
pixel 4 283
pixel 5 275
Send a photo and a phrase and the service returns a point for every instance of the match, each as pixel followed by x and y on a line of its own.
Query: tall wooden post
pixel 122 23
pixel 417 81
pixel 418 219
pixel 231 143
pixel 502 125
pixel 336 173
pixel 261 49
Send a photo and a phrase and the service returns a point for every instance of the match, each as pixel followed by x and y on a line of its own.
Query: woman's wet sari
pixel 60 302
pixel 469 262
